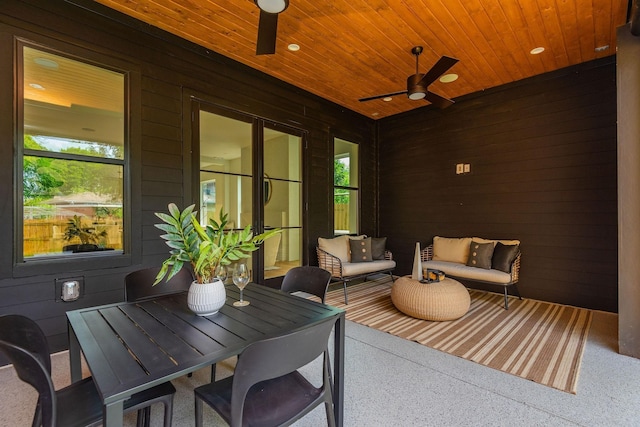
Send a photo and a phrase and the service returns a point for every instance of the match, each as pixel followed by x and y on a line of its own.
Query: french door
pixel 252 170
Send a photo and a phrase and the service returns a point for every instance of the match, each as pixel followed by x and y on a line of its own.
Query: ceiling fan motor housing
pixel 415 90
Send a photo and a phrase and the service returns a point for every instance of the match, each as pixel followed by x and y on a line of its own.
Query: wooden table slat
pixel 121 365
pixel 164 340
pixel 198 332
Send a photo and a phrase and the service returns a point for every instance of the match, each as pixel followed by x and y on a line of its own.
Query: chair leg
pixel 517 292
pixel 331 421
pixel 344 285
pixel 198 411
pixel 392 278
pixel 144 417
pixel 213 373
pixel 168 411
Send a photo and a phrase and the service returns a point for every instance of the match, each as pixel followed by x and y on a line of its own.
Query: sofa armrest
pixel 515 268
pixel 427 253
pixel 329 262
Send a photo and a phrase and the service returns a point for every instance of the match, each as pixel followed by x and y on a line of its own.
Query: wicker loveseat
pixel 476 259
pixel 354 257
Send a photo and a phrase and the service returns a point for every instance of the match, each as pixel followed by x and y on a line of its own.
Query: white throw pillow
pixel 338 247
pixel 451 249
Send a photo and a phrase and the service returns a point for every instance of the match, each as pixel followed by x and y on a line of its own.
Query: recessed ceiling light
pixel 46 63
pixel 293 47
pixel 602 48
pixel 448 78
pixel 387 99
pixel 36 86
pixel 375 114
pixel 536 51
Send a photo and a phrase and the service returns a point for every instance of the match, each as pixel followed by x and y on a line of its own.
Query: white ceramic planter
pixel 205 299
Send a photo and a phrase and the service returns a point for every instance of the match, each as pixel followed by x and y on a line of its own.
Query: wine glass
pixel 240 279
pixel 221 273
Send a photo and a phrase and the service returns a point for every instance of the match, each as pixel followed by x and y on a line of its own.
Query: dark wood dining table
pixel 132 346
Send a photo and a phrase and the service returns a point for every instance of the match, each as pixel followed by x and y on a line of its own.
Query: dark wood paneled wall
pixel 543 170
pixel 169 69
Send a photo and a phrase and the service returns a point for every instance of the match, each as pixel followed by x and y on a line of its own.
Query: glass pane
pixel 345 216
pixel 282 252
pixel 284 207
pixel 282 201
pixel 72 107
pixel 282 154
pixel 225 144
pixel 68 202
pixel 232 193
pixel 345 163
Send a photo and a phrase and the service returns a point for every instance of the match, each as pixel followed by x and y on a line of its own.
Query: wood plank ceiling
pixel 350 49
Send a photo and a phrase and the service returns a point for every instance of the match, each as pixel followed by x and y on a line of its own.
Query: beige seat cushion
pixel 358 268
pixel 462 271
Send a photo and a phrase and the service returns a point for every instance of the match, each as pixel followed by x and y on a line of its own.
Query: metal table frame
pixel 130 347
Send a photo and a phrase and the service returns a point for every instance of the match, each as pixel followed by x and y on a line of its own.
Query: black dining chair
pixel 267 389
pixel 310 279
pixel 79 404
pixel 138 285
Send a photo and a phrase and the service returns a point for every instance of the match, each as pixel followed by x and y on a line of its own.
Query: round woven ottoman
pixel 447 299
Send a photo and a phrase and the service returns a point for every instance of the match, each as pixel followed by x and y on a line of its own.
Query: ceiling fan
pixel 268 24
pixel 417 83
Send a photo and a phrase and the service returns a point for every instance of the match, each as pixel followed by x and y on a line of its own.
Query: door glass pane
pixel 226 172
pixel 282 154
pixel 225 144
pixel 282 201
pixel 229 192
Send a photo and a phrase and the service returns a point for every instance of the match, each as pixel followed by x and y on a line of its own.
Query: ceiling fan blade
pixel 437 70
pixel 267 32
pixel 382 96
pixel 437 100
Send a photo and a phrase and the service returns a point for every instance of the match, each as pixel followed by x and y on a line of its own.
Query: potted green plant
pixel 205 249
pixel 89 237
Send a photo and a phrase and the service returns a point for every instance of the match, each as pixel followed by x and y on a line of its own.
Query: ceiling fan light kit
pixel 415 89
pixel 418 83
pixel 272 6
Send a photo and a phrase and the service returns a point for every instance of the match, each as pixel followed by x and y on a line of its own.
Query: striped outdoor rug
pixel 539 341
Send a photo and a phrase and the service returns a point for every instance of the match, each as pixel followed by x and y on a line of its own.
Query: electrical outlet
pixel 69 289
pixel 459 168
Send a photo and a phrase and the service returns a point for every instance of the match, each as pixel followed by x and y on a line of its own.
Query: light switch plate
pixel 459 168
